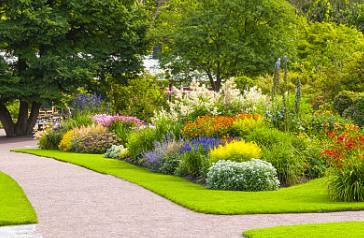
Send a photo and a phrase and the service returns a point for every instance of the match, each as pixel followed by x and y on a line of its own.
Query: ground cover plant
pixel 15 208
pixel 326 230
pixel 308 197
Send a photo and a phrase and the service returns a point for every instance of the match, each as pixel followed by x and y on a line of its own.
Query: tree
pixel 225 38
pixel 50 48
pixel 330 57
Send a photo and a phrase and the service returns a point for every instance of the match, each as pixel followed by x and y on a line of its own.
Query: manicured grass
pixel 15 208
pixel 326 230
pixel 309 197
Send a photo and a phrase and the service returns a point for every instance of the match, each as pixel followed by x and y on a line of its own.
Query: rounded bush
pixel 341 103
pixel 253 175
pixel 92 139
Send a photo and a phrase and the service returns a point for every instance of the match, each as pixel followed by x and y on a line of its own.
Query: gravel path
pixel 71 201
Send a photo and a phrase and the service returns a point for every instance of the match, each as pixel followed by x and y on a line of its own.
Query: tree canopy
pixel 224 38
pixel 51 48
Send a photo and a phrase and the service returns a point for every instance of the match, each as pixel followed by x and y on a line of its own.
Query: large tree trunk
pixel 6 121
pixel 25 122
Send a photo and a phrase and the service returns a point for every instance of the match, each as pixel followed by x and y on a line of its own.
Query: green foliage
pixel 170 164
pixel 51 139
pixel 356 111
pixel 140 98
pixel 77 120
pixel 225 38
pixel 327 53
pixel 316 165
pixel 244 127
pixel 140 141
pixel 193 163
pixel 341 103
pixel 268 137
pixel 121 130
pixel 60 46
pixel 289 165
pixel 347 183
pixel 253 175
pixel 116 152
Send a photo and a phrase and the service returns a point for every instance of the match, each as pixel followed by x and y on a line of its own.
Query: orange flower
pixel 214 125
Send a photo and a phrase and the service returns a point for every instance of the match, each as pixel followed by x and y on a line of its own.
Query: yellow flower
pixel 236 151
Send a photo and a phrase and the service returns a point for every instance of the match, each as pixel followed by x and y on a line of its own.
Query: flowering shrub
pixel 236 150
pixel 346 156
pixel 343 146
pixel 206 143
pixel 253 175
pixel 66 142
pixel 160 158
pixel 83 103
pixel 107 120
pixel 199 100
pixel 214 125
pixel 116 152
pixel 92 139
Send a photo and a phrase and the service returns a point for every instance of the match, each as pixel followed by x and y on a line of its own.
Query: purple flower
pixel 206 143
pixel 85 102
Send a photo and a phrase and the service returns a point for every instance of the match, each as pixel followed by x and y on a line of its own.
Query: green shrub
pixel 253 175
pixel 194 164
pixel 121 130
pixel 243 127
pixel 268 137
pixel 140 141
pixel 341 103
pixel 347 183
pixel 51 139
pixel 356 112
pixel 170 164
pixel 315 163
pixel 289 165
pixel 76 121
pixel 140 98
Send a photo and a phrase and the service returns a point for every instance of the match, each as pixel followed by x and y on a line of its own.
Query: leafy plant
pixel 341 103
pixel 140 141
pixel 194 164
pixel 163 157
pixel 345 155
pixel 116 152
pixel 51 139
pixel 253 175
pixel 77 120
pixel 289 164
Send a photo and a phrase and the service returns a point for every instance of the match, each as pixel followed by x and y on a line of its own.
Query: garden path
pixel 71 201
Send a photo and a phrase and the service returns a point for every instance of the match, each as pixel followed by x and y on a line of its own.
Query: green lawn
pixel 309 197
pixel 15 208
pixel 327 230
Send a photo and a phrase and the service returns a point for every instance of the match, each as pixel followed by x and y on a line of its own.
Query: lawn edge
pixel 155 191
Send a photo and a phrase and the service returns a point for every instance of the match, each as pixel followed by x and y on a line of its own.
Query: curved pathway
pixel 71 201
